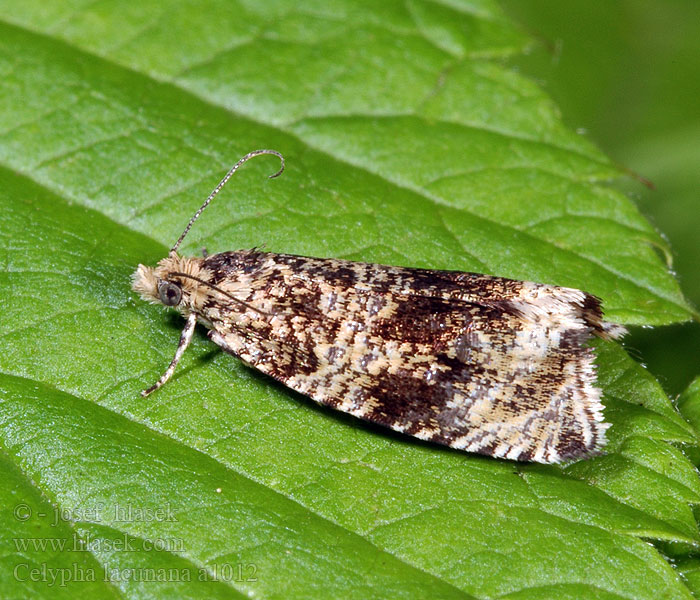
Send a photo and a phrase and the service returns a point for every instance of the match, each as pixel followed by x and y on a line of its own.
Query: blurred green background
pixel 627 72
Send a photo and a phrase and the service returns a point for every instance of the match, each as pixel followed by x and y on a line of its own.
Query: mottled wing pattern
pixel 479 363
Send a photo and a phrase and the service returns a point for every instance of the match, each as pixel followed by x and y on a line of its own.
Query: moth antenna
pixel 217 189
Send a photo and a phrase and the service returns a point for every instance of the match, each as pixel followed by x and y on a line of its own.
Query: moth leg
pixel 185 338
pixel 205 252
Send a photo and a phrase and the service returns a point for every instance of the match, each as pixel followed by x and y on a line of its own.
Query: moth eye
pixel 170 293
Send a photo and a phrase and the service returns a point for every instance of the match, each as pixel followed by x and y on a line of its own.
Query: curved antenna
pixel 217 189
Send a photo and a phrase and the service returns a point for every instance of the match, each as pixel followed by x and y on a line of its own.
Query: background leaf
pixel 628 72
pixel 407 143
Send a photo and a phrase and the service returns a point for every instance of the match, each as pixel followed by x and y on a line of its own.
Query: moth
pixel 480 363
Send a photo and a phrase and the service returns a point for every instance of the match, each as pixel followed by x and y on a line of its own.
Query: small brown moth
pixel 480 363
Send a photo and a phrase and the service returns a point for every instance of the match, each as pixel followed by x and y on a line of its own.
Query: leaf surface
pixel 407 142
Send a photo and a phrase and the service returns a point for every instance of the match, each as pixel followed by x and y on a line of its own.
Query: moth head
pixel 171 282
pixel 184 282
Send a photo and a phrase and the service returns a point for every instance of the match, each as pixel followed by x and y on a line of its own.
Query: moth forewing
pixel 475 362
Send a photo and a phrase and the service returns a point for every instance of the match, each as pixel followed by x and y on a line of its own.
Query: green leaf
pixel 385 131
pixel 689 406
pixel 690 570
pixel 406 143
